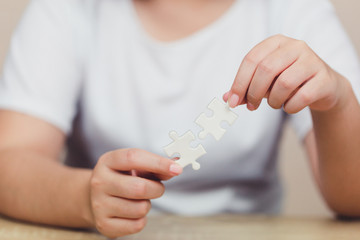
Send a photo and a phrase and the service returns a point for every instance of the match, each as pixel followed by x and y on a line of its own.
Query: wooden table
pixel 227 227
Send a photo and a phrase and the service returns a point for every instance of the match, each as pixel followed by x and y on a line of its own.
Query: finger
pixel 226 98
pixel 130 187
pixel 153 176
pixel 306 95
pixel 129 159
pixel 118 227
pixel 289 81
pixel 248 66
pixel 268 70
pixel 126 208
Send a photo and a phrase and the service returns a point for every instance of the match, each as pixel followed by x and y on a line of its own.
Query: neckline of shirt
pixel 197 36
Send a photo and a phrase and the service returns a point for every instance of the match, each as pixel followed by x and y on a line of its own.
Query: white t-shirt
pixel 89 68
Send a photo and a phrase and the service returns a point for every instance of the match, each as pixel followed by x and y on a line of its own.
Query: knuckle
pixel 138 225
pixel 279 37
pixel 251 97
pixel 139 188
pixel 106 158
pixel 103 158
pixel 239 87
pixel 310 58
pixel 143 208
pixel 131 155
pixel 284 83
pixel 301 44
pixel 162 189
pixel 105 228
pixel 290 110
pixel 266 67
pixel 305 97
pixel 162 165
pixel 287 109
pixel 250 59
pixel 101 225
pixel 274 103
pixel 96 182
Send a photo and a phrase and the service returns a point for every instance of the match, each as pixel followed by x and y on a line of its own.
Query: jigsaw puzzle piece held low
pixel 211 125
pixel 181 145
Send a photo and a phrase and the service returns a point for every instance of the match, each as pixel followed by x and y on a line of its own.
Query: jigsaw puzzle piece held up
pixel 181 145
pixel 211 125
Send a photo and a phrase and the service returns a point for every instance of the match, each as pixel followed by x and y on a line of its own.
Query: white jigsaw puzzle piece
pixel 211 125
pixel 181 145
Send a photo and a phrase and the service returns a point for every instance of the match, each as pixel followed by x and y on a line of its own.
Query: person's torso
pixel 136 90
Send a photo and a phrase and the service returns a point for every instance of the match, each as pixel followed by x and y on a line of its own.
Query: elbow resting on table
pixel 344 205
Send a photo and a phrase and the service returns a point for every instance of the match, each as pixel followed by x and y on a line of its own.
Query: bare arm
pixel 334 151
pixel 292 76
pixel 34 185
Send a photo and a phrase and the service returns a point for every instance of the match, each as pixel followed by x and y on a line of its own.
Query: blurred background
pixel 302 197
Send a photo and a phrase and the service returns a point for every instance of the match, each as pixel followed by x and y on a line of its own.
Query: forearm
pixel 337 134
pixel 37 189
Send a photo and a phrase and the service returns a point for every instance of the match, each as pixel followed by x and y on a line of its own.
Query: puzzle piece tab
pixel 181 145
pixel 211 125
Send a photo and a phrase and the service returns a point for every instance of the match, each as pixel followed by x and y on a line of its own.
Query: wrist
pixel 343 98
pixel 86 209
pixel 345 93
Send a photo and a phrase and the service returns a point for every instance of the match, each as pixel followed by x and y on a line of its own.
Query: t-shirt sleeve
pixel 316 22
pixel 41 75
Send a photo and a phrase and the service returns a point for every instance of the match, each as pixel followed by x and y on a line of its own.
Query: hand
pixel 289 74
pixel 120 196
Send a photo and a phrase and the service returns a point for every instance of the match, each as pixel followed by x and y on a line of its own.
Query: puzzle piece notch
pixel 181 145
pixel 211 125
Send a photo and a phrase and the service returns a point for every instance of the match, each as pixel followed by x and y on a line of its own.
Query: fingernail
pixel 234 100
pixel 251 107
pixel 176 168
